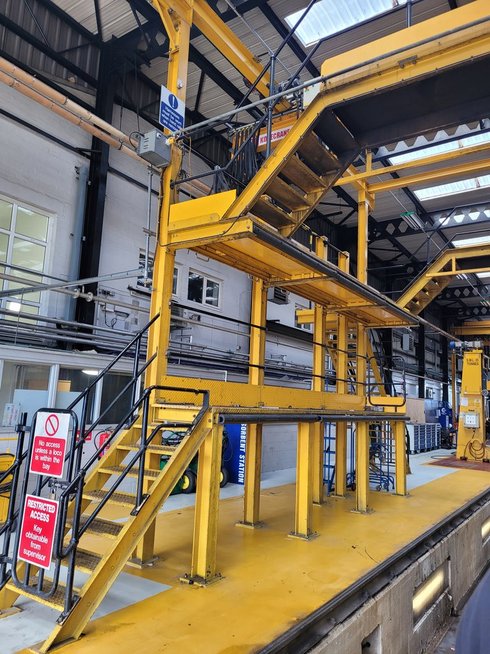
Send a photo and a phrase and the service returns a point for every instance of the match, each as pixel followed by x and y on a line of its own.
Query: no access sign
pixel 37 531
pixel 172 110
pixel 49 444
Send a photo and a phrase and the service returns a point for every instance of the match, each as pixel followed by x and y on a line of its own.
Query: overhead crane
pixel 372 95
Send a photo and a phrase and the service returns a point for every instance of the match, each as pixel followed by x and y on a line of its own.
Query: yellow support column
pixel 178 26
pixel 398 429
pixel 253 451
pixel 362 430
pixel 341 388
pixel 365 204
pixel 319 340
pixel 362 466
pixel 304 482
pixel 203 566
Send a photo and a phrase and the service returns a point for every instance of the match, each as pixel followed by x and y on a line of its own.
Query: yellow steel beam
pixel 233 394
pixel 398 429
pixel 227 42
pixel 448 257
pixel 353 177
pixel 362 467
pixel 205 233
pixel 253 451
pixel 365 204
pixel 440 174
pixel 473 328
pixel 178 27
pixel 459 271
pixel 203 566
pixel 304 482
pixel 318 384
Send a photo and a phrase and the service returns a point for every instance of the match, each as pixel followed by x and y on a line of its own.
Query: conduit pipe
pixel 40 87
pixel 69 116
pixel 33 88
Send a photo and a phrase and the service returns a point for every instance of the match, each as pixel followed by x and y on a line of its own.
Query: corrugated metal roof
pixel 117 18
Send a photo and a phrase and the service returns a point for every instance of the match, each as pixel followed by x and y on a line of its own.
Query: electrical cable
pixel 255 33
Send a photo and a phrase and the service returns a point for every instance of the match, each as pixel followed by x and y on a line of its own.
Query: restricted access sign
pixel 37 531
pixel 49 443
pixel 172 110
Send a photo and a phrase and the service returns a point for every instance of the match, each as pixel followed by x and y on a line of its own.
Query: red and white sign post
pixel 49 446
pixel 37 531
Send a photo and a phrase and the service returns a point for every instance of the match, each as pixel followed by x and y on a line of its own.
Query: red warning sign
pixel 37 531
pixel 49 443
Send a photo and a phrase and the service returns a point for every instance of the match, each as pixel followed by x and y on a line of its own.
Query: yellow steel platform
pixel 270 581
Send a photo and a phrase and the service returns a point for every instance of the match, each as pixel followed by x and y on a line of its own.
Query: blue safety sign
pixel 172 110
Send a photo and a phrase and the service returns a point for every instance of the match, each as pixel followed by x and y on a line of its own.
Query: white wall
pixel 40 173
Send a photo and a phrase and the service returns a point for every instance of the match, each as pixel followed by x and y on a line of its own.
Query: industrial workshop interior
pixel 244 326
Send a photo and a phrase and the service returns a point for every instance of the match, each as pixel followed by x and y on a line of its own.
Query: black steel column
pixel 420 353
pixel 445 364
pixel 99 165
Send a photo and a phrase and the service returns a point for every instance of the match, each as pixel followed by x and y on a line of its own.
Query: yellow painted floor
pixel 270 581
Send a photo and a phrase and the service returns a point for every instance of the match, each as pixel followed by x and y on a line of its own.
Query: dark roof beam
pixel 283 31
pixel 47 50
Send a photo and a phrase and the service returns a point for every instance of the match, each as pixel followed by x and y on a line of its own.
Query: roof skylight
pixel 474 240
pixel 441 148
pixel 328 17
pixel 461 186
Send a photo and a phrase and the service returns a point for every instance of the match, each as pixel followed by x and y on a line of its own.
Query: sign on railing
pixel 49 444
pixel 38 530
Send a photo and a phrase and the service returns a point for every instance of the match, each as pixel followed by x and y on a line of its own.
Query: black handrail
pixel 75 488
pixel 71 486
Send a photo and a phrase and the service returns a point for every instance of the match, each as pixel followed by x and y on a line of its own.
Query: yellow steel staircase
pixel 299 171
pixel 105 506
pixel 439 274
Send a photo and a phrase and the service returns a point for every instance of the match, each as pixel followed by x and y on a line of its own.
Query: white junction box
pixel 471 420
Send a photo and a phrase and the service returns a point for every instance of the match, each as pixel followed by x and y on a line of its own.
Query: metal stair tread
pixel 87 561
pixel 298 173
pixel 117 470
pixel 286 195
pixel 101 527
pixel 317 156
pixel 116 498
pixel 159 449
pixel 57 601
pixel 271 213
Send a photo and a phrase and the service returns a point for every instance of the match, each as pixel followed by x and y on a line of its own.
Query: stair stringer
pixel 110 566
pixel 94 481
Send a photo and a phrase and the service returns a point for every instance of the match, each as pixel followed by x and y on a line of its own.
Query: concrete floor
pixel 256 566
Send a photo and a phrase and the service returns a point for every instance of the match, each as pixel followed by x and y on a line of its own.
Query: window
pixel 474 240
pixel 452 188
pixel 141 264
pixel 23 244
pixel 203 290
pixel 328 17
pixel 440 148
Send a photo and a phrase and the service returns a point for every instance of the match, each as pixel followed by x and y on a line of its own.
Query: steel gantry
pixel 250 228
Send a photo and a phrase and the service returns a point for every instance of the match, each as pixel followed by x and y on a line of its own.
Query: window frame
pixel 206 278
pixel 12 234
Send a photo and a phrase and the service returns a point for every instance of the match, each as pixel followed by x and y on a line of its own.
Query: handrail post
pixel 21 429
pixel 141 469
pixel 270 108
pixel 134 394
